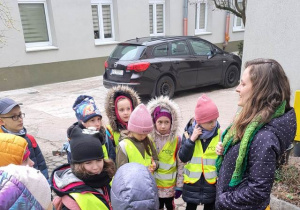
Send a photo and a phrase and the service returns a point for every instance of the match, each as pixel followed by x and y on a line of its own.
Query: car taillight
pixel 138 67
pixel 105 65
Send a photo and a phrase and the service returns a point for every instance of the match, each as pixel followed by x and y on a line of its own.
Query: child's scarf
pixel 228 141
pixel 206 134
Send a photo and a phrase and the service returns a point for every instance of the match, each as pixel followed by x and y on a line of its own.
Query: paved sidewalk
pixel 49 111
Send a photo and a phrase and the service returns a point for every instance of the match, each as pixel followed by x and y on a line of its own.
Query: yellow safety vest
pixel 202 163
pixel 105 151
pixel 87 201
pixel 116 135
pixel 134 154
pixel 165 176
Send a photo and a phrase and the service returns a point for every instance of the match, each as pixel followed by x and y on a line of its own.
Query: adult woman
pixel 258 137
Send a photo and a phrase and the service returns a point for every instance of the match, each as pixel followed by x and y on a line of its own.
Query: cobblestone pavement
pixel 49 111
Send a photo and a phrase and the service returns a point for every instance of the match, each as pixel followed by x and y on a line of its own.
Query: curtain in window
pixel 34 22
pixel 160 18
pixel 95 21
pixel 151 18
pixel 107 26
pixel 238 19
pixel 202 16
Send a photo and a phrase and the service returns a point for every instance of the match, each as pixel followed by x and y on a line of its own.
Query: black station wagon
pixel 162 65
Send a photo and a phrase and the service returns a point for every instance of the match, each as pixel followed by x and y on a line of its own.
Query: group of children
pixel 135 133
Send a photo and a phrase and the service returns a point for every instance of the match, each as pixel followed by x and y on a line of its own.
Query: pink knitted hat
pixel 140 120
pixel 206 110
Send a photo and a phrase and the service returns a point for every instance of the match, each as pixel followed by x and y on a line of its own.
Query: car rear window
pixel 128 52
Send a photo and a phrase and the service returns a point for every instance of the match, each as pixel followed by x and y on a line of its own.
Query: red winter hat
pixel 140 120
pixel 206 110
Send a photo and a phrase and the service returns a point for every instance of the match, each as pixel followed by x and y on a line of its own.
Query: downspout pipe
pixel 185 15
pixel 227 38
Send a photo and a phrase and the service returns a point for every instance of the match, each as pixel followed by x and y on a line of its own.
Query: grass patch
pixel 287 182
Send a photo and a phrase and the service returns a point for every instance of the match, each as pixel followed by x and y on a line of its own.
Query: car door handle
pixel 176 62
pixel 202 61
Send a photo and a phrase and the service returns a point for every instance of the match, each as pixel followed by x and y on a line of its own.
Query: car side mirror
pixel 212 53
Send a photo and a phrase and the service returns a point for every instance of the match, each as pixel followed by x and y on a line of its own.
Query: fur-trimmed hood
pixel 165 102
pixel 112 94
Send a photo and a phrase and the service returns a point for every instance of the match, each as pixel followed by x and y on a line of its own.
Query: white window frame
pixel 154 3
pixel 235 26
pixel 100 3
pixel 39 45
pixel 197 29
pixel 238 28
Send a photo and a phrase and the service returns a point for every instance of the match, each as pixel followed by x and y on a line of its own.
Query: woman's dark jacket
pixel 201 191
pixel 268 145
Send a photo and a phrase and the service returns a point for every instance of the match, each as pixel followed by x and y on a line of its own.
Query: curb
pixel 277 204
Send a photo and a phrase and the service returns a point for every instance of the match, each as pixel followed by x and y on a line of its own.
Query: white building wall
pixel 133 19
pixel 72 29
pixel 216 22
pixel 175 21
pixel 272 31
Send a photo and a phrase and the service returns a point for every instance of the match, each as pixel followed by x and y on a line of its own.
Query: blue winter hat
pixel 85 108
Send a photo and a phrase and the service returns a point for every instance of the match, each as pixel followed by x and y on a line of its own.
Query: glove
pixel 177 193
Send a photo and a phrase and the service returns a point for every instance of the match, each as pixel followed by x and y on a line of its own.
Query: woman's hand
pixel 219 149
pixel 197 131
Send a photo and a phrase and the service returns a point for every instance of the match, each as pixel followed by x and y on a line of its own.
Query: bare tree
pixel 6 21
pixel 237 7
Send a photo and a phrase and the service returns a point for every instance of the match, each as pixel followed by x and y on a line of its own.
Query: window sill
pixel 162 34
pixel 203 33
pixel 99 43
pixel 43 48
pixel 235 30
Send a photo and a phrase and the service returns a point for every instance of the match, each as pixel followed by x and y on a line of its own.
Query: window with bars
pixel 102 20
pixel 200 17
pixel 35 23
pixel 238 22
pixel 157 17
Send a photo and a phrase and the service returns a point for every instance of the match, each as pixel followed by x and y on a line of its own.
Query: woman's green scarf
pixel 228 141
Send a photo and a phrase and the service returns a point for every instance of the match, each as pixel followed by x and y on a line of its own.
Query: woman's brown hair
pixel 270 87
pixel 108 166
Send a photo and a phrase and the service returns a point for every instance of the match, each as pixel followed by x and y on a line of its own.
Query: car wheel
pixel 232 77
pixel 165 87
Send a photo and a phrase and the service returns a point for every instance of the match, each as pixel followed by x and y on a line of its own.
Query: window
pixel 179 48
pixel 200 47
pixel 160 51
pixel 157 17
pixel 35 23
pixel 238 22
pixel 102 12
pixel 200 17
pixel 128 52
